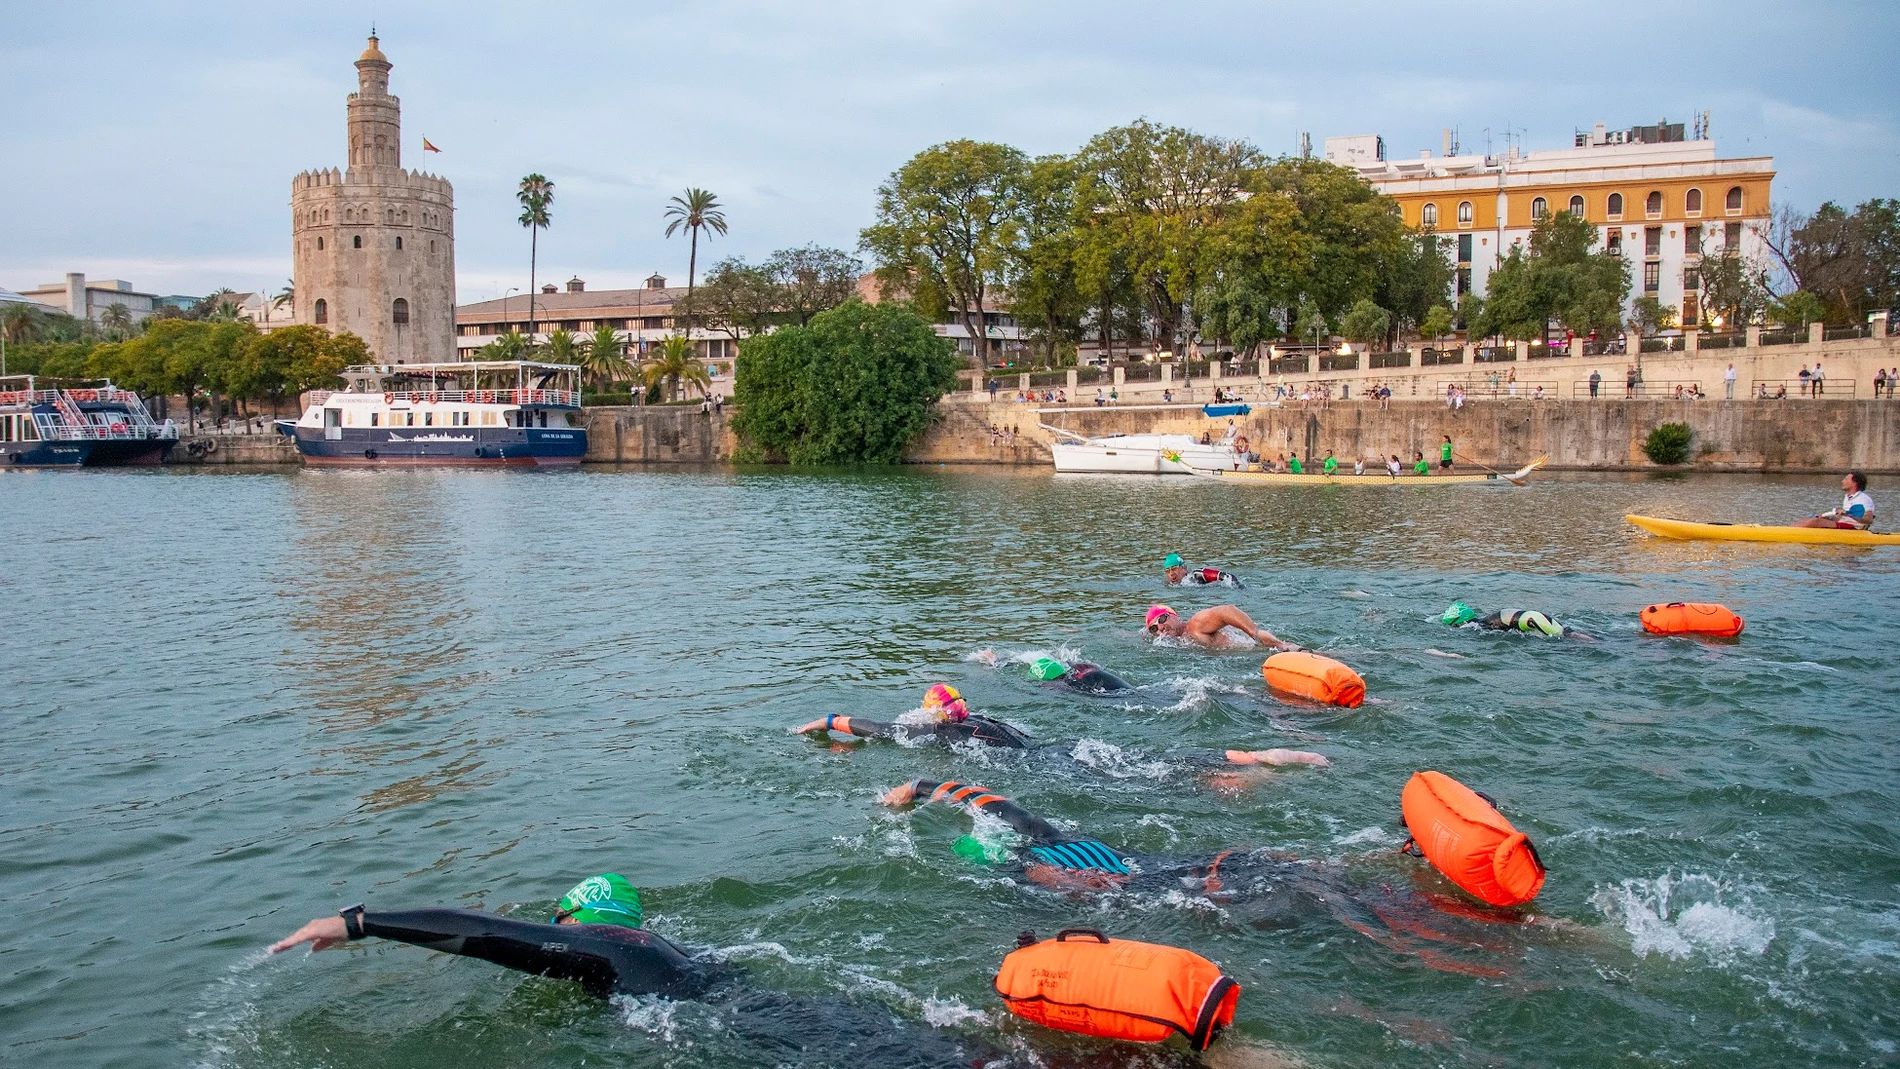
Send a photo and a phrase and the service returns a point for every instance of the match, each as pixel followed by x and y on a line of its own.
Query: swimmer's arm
pixel 850 725
pixel 1276 757
pixel 543 949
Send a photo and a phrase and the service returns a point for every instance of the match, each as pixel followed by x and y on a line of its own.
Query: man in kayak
pixel 1177 573
pixel 991 732
pixel 1206 628
pixel 1857 508
pixel 1529 621
pixel 595 939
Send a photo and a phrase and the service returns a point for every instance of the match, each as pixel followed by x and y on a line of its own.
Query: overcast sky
pixel 156 142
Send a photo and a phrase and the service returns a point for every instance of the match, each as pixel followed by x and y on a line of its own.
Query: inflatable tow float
pixel 1462 834
pixel 1691 618
pixel 1315 678
pixel 1083 981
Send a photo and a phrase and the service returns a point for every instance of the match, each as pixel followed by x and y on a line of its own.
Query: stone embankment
pixel 266 448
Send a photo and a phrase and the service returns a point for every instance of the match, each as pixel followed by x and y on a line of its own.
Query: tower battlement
pixel 392 177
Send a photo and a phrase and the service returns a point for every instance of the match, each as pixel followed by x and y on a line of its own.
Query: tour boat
pixel 1144 454
pixel 91 426
pixel 501 412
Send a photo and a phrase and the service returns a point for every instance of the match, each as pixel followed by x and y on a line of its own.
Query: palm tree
pixel 535 194
pixel 696 210
pixel 18 324
pixel 285 296
pixel 603 357
pixel 209 302
pixel 676 365
pixel 513 345
pixel 562 347
pixel 117 320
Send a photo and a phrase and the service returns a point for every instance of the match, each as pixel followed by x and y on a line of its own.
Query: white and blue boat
pixel 89 425
pixel 499 412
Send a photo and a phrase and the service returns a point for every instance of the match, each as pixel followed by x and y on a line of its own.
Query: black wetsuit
pixel 611 960
pixel 983 729
pixel 1092 679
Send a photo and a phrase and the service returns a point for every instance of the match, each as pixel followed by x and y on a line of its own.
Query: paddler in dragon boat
pixel 1177 573
pixel 1263 888
pixel 1857 507
pixel 946 719
pixel 1528 621
pixel 1210 628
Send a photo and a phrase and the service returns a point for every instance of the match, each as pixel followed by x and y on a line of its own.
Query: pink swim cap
pixel 1156 612
pixel 944 698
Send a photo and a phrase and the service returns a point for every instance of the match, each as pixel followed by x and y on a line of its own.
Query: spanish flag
pixel 426 147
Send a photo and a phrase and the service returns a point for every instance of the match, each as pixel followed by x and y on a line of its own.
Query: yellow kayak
pixel 1283 478
pixel 1753 532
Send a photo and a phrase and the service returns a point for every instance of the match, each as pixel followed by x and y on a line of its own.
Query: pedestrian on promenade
pixel 1100 398
pixel 1880 379
pixel 1510 383
pixel 1820 380
pixel 1629 382
pixel 1807 377
pixel 1728 382
pixel 993 387
pixel 1114 395
pixel 1596 382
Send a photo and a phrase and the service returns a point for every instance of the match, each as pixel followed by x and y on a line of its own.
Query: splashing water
pixel 1678 916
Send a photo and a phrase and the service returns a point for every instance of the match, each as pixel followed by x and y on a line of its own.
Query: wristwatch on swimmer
pixel 352 920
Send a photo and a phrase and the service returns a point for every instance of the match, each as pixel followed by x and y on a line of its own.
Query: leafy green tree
pixel 1734 287
pixel 1043 284
pixel 1668 443
pixel 1366 322
pixel 603 359
pixel 1352 234
pixel 855 386
pixel 676 365
pixel 737 299
pixel 694 210
pixel 812 279
pixel 1850 260
pixel 944 230
pixel 534 194
pixel 290 360
pixel 1649 316
pixel 1798 309
pixel 1436 324
pixel 1310 323
pixel 1561 279
pixel 1416 279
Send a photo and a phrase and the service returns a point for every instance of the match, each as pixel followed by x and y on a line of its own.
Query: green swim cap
pixel 970 848
pixel 1458 613
pixel 609 898
pixel 1048 669
pixel 1173 561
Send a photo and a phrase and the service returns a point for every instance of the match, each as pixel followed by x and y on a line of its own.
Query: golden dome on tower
pixel 372 54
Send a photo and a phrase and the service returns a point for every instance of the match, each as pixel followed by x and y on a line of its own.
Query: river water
pixel 237 700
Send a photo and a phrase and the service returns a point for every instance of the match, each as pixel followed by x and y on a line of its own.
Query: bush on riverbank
pixel 1668 444
pixel 855 386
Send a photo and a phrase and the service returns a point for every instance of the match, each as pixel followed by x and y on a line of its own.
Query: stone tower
pixel 373 246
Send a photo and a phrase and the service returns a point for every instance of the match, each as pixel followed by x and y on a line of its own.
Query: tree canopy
pixel 856 385
pixel 1849 260
pixel 1562 280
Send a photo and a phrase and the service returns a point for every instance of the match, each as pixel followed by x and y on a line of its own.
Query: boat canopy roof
pixel 454 366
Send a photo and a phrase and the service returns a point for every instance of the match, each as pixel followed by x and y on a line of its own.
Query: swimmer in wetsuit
pixel 1529 621
pixel 1177 573
pixel 1207 627
pixel 1088 678
pixel 963 726
pixel 1260 887
pixel 595 939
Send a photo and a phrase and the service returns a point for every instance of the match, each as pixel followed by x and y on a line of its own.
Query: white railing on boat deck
pixel 121 431
pixel 560 398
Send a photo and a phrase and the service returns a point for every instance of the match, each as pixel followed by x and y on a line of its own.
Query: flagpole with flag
pixel 426 147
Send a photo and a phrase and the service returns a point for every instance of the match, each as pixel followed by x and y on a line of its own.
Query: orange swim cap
pixel 944 698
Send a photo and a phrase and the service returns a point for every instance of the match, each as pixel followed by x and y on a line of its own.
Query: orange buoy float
pixel 1464 836
pixel 1117 988
pixel 1690 618
pixel 1321 679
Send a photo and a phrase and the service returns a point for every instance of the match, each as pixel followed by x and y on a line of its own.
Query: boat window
pixel 428 419
pixel 488 419
pixel 6 427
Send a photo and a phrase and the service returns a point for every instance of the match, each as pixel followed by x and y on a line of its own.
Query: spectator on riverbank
pixel 1820 379
pixel 1728 382
pixel 994 386
pixel 1114 395
pixel 1629 382
pixel 1100 398
pixel 1807 378
pixel 1596 381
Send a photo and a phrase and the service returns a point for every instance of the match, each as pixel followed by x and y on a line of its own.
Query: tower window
pixel 1539 208
pixel 1576 207
pixel 356 242
pixel 319 244
pixel 1429 215
pixel 1616 206
pixel 1692 202
pixel 399 312
pixel 323 312
pixel 398 241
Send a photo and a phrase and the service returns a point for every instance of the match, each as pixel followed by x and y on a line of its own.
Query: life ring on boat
pixel 118 428
pixel 1117 988
pixel 389 398
pixel 369 454
pixel 1462 834
pixel 1691 618
pixel 1320 679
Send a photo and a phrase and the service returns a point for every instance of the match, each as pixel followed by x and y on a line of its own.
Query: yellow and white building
pixel 1660 201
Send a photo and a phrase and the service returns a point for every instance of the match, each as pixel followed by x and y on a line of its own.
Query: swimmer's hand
pixel 903 794
pixel 986 658
pixel 1277 757
pixel 321 934
pixel 816 725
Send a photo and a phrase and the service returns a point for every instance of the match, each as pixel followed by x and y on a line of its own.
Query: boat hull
pixel 386 447
pixel 108 453
pixel 1750 532
pixel 1280 478
pixel 1142 455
